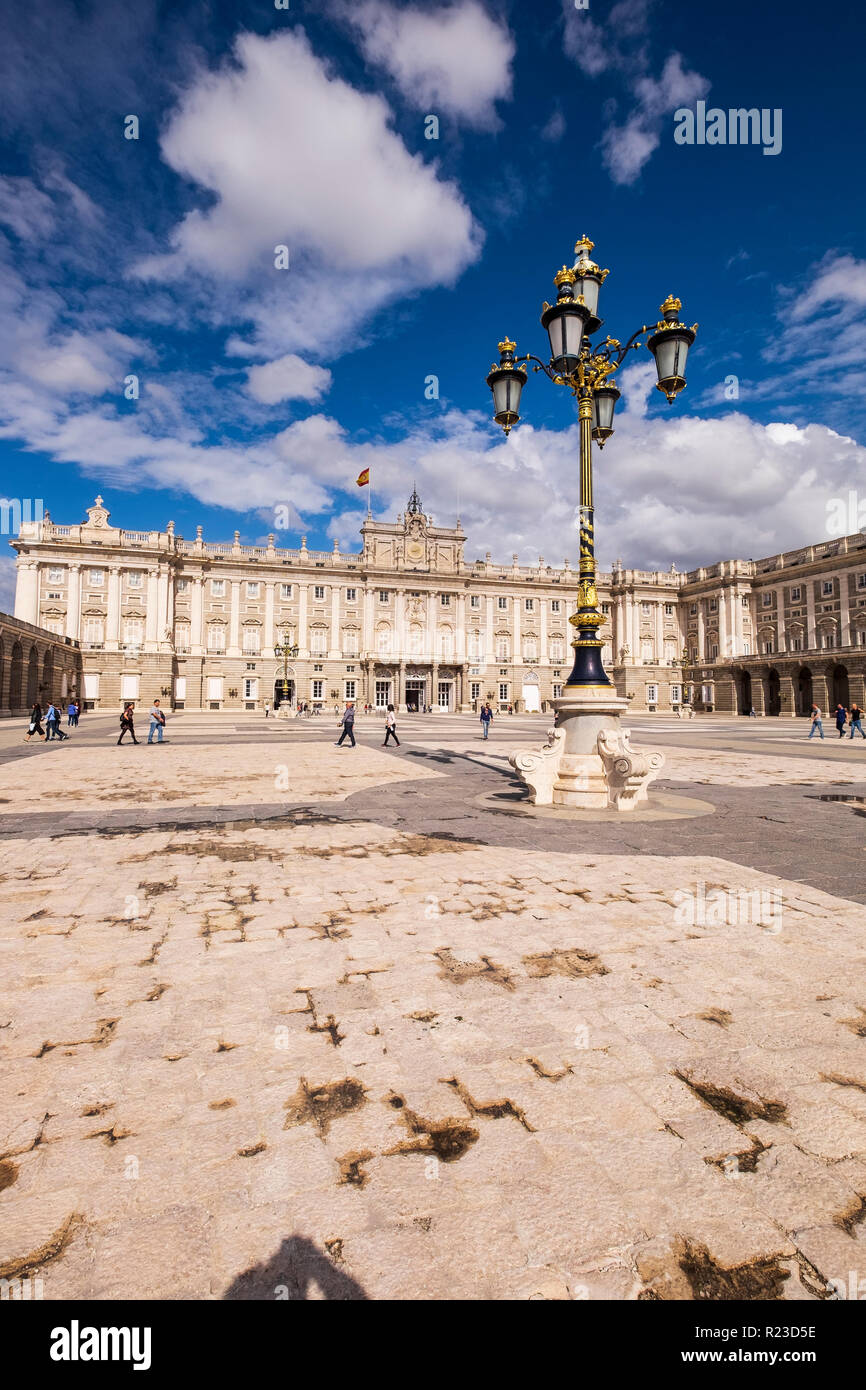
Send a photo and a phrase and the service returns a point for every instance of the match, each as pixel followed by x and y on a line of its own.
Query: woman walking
pixel 35 723
pixel 391 727
pixel 127 723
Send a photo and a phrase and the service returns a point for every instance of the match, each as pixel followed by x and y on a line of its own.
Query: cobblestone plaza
pixel 288 1020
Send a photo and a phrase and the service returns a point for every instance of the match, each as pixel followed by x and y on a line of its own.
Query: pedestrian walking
pixel 127 722
pixel 817 725
pixel 855 716
pixel 52 723
pixel 390 727
pixel 77 712
pixel 486 720
pixel 267 708
pixel 348 723
pixel 157 723
pixel 841 716
pixel 35 723
pixel 71 720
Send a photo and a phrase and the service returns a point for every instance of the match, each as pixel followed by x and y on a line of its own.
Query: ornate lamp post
pixel 287 653
pixel 587 370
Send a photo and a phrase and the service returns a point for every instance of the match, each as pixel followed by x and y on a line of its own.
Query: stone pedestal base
pixel 587 761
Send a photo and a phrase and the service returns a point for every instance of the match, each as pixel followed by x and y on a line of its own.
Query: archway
pixel 839 691
pixel 16 677
pixel 32 677
pixel 804 690
pixel 744 693
pixel 774 693
pixel 284 692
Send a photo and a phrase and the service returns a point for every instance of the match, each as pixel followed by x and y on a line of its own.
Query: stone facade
pixel 409 620
pixel 35 665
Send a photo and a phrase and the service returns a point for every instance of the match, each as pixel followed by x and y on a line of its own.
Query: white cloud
pixel 288 378
pixel 454 60
pixel 297 157
pixel 626 148
pixel 24 208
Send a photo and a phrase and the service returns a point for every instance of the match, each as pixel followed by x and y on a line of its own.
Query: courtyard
pixel 286 1020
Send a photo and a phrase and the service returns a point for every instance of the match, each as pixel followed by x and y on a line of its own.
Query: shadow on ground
pixel 289 1273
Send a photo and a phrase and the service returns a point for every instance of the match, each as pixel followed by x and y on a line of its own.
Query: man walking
pixel 52 723
pixel 855 716
pixel 391 727
pixel 841 715
pixel 157 723
pixel 71 720
pixel 817 725
pixel 267 708
pixel 348 723
pixel 486 717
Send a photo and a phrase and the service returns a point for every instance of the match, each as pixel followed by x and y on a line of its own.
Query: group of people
pixel 348 724
pixel 127 722
pixel 53 716
pixel 852 717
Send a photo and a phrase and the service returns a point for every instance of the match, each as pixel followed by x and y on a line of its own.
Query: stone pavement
pixel 364 1036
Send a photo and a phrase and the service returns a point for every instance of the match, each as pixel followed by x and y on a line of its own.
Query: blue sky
pixel 409 257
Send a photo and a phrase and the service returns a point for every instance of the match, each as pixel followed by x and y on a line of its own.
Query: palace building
pixel 411 620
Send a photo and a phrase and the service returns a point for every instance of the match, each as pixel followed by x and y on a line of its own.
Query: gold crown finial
pixel 671 303
pixel 566 276
pixel 506 345
pixel 583 243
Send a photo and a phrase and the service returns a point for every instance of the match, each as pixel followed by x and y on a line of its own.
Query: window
pixel 645 609
pixel 97 577
pixel 350 690
pixel 351 595
pixel 693 608
pixel 214 687
pixel 503 692
pixel 319 642
pixel 605 608
pixel 132 632
pixel 218 588
pixel 251 641
pixel 475 690
pixel 475 600
pixel 383 694
pixel 350 643
pixel 557 692
pixel 503 671
pixel 56 574
pixel 216 638
pixel 251 688
pixel 714 651
pixel 713 605
pixel 669 610
pixel 529 605
pixel 530 650
pixel 384 595
pixel 652 694
pixel 768 647
pixel 55 595
pixel 134 579
pixel 318 591
pixel 827 586
pixel 317 667
pixel 94 632
pixel 747 650
pixel 251 665
pixel 554 605
pixel 182 586
pixel 475 646
pixel 181 637
pixel 861 581
pixel 556 651
pixel 795 593
pixel 646 652
pixel 252 588
pixel 502 649
pixel 676 694
pixel 746 599
pixel 53 625
pixel 446 600
pixel 502 602
pixel 444 694
pixel 796 645
pixel 317 689
pixel 767 600
pixel 383 641
pixel 285 591
pixel 129 687
pixel 446 644
pixel 829 640
pixel 706 694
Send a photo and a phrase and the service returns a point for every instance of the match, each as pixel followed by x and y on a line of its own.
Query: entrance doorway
pixel 744 693
pixel 774 693
pixel 383 694
pixel 415 694
pixel 841 694
pixel 531 693
pixel 804 690
pixel 284 692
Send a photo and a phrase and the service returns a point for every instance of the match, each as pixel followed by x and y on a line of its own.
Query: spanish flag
pixel 364 478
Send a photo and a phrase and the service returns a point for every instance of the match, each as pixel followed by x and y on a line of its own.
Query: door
pixel 284 691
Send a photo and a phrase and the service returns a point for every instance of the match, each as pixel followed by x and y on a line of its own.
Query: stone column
pixel 821 693
pixel 543 655
pixel 788 696
pixel 702 633
pixel 621 633
pixel 234 646
pixel 400 642
pixel 163 615
pixel 844 611
pixel 430 635
pixel 460 635
pixel 151 611
pixel 196 637
pixel 724 634
pixel 489 639
pixel 334 640
pixel 516 653
pixel 112 624
pixel 781 635
pixel 303 643
pixel 434 680
pixel 270 594
pixel 367 633
pixel 73 606
pixel 811 642
pixel 400 692
pixel 660 632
